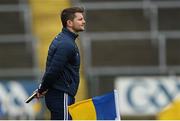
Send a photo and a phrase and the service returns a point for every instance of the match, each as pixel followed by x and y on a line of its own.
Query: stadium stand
pixel 121 20
pixel 17 48
pixel 141 51
pixel 130 38
pixel 142 31
pixel 6 2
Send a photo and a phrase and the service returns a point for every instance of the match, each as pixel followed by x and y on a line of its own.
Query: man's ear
pixel 69 23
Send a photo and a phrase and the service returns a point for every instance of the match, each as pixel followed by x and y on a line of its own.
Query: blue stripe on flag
pixel 105 106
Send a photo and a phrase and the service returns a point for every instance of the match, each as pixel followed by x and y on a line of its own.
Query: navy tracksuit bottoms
pixel 57 102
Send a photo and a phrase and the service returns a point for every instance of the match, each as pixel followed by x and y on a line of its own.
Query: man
pixel 61 78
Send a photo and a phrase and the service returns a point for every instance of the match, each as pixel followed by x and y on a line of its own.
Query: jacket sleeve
pixel 63 53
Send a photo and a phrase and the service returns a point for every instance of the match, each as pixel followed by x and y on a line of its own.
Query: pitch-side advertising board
pixel 146 95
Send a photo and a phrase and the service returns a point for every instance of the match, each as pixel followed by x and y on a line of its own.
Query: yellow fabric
pixel 83 110
pixel 46 24
pixel 171 112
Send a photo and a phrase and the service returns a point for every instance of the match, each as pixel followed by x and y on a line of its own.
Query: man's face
pixel 78 23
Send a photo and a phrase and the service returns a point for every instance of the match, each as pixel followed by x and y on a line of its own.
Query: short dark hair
pixel 69 14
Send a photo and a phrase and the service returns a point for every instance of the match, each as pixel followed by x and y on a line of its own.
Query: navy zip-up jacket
pixel 63 63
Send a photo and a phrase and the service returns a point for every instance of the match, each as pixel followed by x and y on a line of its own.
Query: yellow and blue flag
pixel 97 108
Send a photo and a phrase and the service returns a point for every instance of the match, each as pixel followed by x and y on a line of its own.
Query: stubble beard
pixel 79 30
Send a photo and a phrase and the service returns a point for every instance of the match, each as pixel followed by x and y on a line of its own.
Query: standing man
pixel 61 78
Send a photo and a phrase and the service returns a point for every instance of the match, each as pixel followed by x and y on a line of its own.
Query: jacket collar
pixel 69 33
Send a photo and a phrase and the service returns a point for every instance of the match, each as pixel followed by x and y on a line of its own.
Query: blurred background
pixel 129 45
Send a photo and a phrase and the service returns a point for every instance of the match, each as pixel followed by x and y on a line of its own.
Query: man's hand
pixel 40 95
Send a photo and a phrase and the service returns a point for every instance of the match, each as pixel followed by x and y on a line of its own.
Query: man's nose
pixel 84 21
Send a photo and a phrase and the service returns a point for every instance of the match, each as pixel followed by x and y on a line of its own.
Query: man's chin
pixel 80 30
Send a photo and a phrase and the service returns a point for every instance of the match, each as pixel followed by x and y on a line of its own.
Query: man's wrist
pixel 41 89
